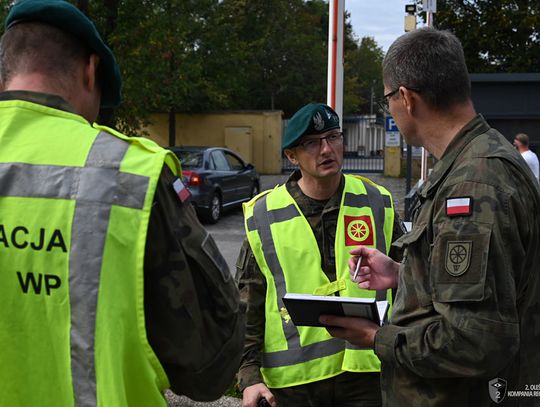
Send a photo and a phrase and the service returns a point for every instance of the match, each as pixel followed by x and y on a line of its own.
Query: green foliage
pixel 363 76
pixel 207 55
pixel 233 391
pixel 497 35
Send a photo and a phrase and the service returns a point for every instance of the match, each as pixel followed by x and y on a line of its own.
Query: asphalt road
pixel 229 232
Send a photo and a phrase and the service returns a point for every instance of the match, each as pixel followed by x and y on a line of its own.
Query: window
pixel 220 162
pixel 190 159
pixel 234 162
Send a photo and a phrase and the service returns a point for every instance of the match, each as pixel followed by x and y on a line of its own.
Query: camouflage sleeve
pixel 466 312
pixel 195 323
pixel 399 230
pixel 252 285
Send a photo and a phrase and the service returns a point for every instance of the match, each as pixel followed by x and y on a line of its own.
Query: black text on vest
pixel 43 240
pixel 50 282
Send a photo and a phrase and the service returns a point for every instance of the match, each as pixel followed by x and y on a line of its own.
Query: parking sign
pixel 392 138
pixel 390 124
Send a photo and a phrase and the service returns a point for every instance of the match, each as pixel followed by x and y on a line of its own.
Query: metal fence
pixel 350 165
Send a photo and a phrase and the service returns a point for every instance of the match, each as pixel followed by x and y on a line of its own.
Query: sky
pixel 381 19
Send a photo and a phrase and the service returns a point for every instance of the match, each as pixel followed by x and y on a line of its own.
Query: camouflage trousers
pixel 344 390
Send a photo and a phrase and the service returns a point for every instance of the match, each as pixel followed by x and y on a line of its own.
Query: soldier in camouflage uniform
pixel 320 207
pixel 465 328
pixel 194 322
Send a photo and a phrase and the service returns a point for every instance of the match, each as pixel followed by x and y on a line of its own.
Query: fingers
pixel 358 331
pixel 334 322
pixel 270 398
pixel 364 273
pixel 252 395
pixel 362 251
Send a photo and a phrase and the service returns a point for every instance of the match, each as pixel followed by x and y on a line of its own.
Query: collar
pixel 468 133
pixel 52 101
pixel 310 205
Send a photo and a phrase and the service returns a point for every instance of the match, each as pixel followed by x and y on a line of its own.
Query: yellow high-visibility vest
pixel 287 254
pixel 75 203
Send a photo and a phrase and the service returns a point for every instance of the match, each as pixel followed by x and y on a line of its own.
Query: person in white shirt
pixel 521 142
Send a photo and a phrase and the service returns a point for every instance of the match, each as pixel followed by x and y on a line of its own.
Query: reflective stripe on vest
pixel 100 185
pixel 261 221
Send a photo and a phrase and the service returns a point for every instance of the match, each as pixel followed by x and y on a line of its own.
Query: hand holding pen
pixel 373 270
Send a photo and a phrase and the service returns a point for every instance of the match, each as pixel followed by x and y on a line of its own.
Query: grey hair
pixel 431 62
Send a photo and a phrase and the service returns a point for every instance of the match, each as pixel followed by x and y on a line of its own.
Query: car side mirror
pixel 249 166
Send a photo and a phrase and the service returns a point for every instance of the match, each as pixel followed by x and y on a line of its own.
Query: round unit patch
pixel 458 257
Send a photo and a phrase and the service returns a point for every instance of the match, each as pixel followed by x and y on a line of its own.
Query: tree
pixel 281 45
pixel 206 55
pixel 363 75
pixel 497 35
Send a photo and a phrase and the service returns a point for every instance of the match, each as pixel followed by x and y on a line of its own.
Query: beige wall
pixel 256 136
pixel 392 161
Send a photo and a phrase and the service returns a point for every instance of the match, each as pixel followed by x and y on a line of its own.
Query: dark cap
pixel 69 19
pixel 314 118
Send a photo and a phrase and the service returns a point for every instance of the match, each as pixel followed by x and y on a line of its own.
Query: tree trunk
pixel 172 127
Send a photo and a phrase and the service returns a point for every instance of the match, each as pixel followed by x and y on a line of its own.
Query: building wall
pixel 256 136
pixel 509 102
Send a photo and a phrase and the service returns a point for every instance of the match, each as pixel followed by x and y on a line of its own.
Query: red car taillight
pixel 191 178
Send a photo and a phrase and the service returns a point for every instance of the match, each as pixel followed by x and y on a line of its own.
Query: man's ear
pixel 291 155
pixel 409 99
pixel 91 72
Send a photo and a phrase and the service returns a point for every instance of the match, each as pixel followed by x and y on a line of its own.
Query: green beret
pixel 313 118
pixel 69 19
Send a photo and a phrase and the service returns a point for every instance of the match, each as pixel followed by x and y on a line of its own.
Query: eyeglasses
pixel 313 145
pixel 383 102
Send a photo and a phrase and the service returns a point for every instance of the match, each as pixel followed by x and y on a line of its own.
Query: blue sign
pixel 390 124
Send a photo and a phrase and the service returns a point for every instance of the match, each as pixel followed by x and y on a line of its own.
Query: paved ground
pixel 229 235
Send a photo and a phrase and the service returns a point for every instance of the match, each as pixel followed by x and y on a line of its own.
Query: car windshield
pixel 190 159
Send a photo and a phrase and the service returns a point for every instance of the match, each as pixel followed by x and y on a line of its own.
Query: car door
pixel 243 182
pixel 224 176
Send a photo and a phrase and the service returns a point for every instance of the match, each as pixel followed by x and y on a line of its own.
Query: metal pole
pixel 335 56
pixel 423 166
pixel 371 102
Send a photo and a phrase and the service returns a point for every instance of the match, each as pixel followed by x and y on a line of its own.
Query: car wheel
pixel 254 190
pixel 213 213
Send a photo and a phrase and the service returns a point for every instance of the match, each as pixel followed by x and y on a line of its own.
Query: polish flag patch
pixel 181 191
pixel 459 206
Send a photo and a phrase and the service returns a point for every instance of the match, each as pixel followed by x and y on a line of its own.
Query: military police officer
pixel 465 326
pixel 110 289
pixel 298 240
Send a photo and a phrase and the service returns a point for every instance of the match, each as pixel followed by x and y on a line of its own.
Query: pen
pixel 357 268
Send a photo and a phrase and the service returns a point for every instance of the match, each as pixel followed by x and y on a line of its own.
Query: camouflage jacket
pixel 322 217
pixel 193 317
pixel 466 316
